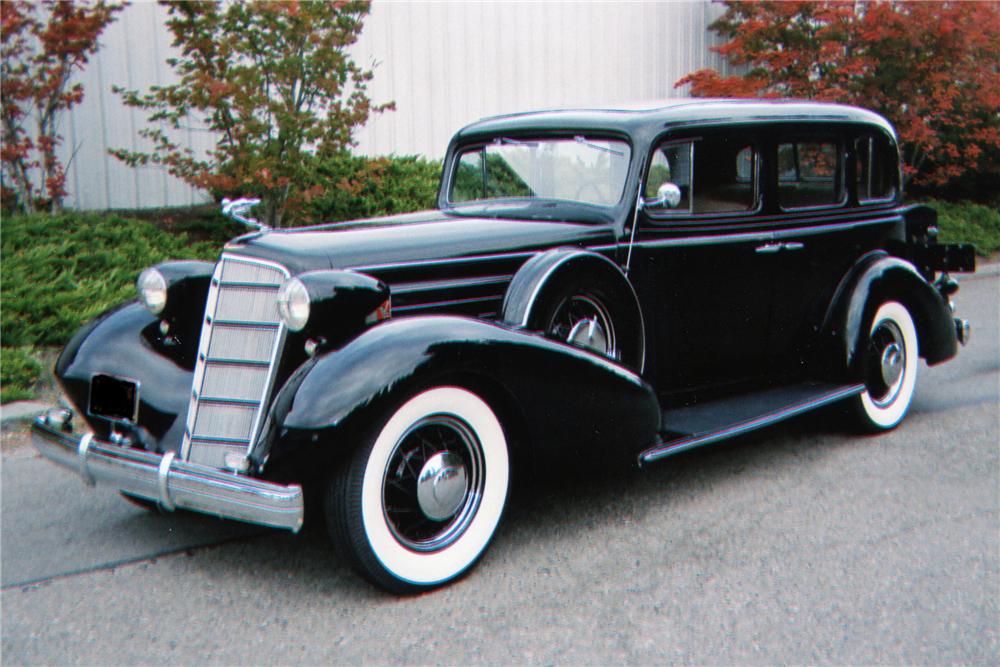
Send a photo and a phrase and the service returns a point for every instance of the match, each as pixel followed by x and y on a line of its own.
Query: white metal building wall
pixel 444 64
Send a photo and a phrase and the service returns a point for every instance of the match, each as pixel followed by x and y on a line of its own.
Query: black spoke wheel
pixel 433 483
pixel 583 320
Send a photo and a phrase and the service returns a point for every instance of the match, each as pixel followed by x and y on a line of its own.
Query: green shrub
pixel 361 187
pixel 965 222
pixel 60 271
pixel 19 372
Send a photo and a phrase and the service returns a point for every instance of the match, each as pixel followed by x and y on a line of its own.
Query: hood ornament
pixel 236 209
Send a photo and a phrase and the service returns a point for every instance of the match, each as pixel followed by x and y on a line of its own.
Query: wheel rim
pixel 583 321
pixel 887 367
pixel 433 483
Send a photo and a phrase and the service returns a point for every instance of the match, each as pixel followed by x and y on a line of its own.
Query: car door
pixel 704 287
pixel 832 188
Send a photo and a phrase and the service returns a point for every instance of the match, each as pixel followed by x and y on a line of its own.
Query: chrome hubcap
pixel 441 486
pixel 584 321
pixel 889 363
pixel 892 364
pixel 590 334
pixel 433 483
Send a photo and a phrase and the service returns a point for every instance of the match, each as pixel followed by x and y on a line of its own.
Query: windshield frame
pixel 536 208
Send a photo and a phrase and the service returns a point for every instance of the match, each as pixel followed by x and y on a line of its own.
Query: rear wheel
pixel 418 504
pixel 891 362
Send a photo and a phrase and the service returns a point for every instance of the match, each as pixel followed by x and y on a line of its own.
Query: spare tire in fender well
pixel 550 274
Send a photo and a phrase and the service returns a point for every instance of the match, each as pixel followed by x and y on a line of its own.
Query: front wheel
pixel 890 364
pixel 418 504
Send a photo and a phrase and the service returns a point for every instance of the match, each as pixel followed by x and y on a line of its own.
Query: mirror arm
pixel 640 203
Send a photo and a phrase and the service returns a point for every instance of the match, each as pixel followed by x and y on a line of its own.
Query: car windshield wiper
pixel 580 139
pixel 507 141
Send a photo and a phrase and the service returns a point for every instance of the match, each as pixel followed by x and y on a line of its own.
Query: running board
pixel 702 424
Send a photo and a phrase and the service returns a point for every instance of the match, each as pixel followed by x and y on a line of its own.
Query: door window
pixel 714 175
pixel 809 174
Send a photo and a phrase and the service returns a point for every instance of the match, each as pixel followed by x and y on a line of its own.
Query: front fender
pixel 878 277
pixel 125 342
pixel 563 399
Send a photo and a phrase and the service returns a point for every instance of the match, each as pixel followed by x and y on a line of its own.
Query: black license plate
pixel 114 398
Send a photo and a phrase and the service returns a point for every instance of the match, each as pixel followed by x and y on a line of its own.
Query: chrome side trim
pixel 170 481
pixel 438 262
pixel 763 236
pixel 445 304
pixel 459 283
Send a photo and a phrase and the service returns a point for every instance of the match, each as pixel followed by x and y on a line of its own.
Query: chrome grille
pixel 241 340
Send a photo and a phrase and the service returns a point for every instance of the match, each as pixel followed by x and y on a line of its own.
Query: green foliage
pixel 275 84
pixel 60 271
pixel 360 187
pixel 19 372
pixel 965 222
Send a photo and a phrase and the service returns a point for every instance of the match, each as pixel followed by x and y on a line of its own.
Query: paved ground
pixel 800 544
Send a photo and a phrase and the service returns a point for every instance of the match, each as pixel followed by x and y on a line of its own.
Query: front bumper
pixel 168 481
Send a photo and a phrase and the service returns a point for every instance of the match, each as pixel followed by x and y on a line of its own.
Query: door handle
pixel 771 248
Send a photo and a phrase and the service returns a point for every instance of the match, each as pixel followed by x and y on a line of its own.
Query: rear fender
pixel 875 278
pixel 558 398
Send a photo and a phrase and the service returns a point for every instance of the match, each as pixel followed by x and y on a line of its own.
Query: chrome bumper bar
pixel 170 482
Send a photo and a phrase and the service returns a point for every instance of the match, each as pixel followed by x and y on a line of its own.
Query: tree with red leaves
pixel 931 68
pixel 40 55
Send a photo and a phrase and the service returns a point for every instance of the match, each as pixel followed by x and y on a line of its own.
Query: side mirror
pixel 668 195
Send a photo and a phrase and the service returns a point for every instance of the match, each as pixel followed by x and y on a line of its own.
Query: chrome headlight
pixel 152 288
pixel 293 304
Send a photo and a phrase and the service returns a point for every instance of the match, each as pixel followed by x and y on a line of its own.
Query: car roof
pixel 635 117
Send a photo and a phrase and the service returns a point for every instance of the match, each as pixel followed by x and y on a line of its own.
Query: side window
pixel 809 174
pixel 671 163
pixel 875 169
pixel 715 175
pixel 725 176
pixel 470 182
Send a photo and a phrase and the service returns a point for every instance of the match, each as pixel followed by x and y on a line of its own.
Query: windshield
pixel 577 169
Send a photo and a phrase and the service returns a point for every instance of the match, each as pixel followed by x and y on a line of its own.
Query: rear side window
pixel 809 174
pixel 875 169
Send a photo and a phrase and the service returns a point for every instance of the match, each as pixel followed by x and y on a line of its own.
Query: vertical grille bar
pixel 241 341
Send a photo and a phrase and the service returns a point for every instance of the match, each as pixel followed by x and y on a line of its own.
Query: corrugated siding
pixel 444 64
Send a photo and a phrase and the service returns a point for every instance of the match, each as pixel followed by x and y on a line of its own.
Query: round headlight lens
pixel 293 304
pixel 152 288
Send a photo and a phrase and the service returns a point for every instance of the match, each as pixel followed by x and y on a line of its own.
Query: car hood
pixel 402 239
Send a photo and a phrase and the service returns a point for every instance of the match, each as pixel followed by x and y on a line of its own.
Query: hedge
pixel 966 222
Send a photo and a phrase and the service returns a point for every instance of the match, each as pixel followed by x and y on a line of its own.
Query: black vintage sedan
pixel 628 282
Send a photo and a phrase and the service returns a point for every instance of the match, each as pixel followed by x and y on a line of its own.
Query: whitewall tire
pixel 890 368
pixel 419 502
